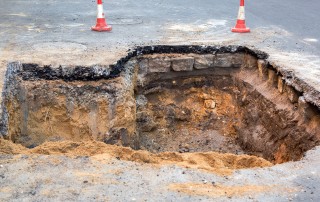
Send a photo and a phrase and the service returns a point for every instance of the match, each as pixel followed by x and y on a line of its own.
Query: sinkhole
pixel 165 98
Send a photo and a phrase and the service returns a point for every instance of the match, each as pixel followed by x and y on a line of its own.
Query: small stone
pixel 184 148
pixel 209 104
pixel 86 181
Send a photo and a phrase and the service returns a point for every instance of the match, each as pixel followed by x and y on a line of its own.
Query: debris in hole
pixel 210 104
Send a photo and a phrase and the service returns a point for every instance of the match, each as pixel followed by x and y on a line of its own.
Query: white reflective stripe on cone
pixel 241 15
pixel 100 11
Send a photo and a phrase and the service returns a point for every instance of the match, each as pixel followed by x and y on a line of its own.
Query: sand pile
pixel 8 147
pixel 210 161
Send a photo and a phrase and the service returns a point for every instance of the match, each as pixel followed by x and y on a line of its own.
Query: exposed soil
pixel 186 117
pixel 60 111
pixel 235 113
pixel 223 164
pixel 271 125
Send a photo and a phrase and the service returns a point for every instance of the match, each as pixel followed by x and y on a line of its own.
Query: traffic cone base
pixel 240 30
pixel 240 27
pixel 101 26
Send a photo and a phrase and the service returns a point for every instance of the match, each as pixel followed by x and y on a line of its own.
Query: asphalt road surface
pixel 148 21
pixel 58 32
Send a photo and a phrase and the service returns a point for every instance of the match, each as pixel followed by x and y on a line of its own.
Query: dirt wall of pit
pixel 270 116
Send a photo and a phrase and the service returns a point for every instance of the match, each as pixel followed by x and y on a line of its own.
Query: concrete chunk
pixel 159 64
pixel 203 61
pixel 228 60
pixel 223 60
pixel 182 64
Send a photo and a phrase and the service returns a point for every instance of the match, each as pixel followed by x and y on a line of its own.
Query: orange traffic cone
pixel 101 25
pixel 241 22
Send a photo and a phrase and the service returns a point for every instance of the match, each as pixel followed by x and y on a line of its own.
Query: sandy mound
pixel 211 161
pixel 8 147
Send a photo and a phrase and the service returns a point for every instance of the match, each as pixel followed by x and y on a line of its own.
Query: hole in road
pixel 189 102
